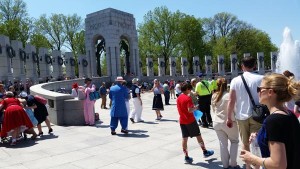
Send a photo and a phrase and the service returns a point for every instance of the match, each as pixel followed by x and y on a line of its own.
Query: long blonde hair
pixel 285 88
pixel 221 88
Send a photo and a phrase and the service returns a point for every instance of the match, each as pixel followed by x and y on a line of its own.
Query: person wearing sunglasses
pixel 279 136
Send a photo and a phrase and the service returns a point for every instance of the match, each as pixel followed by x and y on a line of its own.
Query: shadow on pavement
pixel 212 163
pixel 135 134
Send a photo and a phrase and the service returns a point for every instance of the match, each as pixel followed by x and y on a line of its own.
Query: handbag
pixel 259 111
pixel 94 96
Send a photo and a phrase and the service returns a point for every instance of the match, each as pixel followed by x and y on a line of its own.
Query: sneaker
pixel 124 131
pixel 188 160
pixel 113 133
pixel 208 153
pixel 132 120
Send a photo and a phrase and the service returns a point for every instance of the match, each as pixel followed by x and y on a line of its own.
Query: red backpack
pixel 40 99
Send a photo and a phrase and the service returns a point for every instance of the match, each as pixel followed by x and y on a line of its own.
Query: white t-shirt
pixel 177 88
pixel 243 103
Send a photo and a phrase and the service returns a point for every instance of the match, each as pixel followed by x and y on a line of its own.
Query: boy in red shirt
pixel 188 124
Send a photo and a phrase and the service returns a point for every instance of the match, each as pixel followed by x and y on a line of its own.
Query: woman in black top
pixel 279 136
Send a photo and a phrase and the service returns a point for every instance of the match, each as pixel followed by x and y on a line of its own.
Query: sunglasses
pixel 258 89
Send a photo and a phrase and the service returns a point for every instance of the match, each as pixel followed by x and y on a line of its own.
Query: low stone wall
pixel 64 109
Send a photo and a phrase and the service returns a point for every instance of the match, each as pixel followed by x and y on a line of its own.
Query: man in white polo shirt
pixel 240 102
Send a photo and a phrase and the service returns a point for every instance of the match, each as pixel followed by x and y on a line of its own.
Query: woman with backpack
pixel 40 111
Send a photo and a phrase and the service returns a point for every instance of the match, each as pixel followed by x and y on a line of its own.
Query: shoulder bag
pixel 259 111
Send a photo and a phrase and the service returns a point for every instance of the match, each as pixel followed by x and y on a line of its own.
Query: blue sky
pixel 271 16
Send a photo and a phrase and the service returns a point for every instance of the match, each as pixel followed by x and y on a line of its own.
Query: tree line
pixel 161 34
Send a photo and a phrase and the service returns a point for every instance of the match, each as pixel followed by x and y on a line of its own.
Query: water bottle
pixel 254 147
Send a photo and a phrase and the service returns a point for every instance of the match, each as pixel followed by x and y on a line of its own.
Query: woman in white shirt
pixel 219 108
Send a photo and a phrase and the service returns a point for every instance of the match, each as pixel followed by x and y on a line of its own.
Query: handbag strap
pixel 206 86
pixel 248 91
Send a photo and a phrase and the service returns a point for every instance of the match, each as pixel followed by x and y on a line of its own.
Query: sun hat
pixel 9 93
pixel 119 79
pixel 23 94
pixel 135 80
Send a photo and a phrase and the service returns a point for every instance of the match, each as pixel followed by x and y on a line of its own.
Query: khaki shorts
pixel 246 127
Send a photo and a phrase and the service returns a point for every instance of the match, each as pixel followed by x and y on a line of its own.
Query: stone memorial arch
pixel 110 34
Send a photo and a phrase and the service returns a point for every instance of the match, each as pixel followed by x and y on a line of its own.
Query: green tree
pixel 39 40
pixel 14 20
pixel 190 39
pixel 52 27
pixel 158 35
pixel 72 25
pixel 12 10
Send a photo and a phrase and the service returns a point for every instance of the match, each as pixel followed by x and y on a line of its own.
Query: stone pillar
pixel 140 68
pixel 184 66
pixel 221 65
pixel 274 56
pixel 137 64
pixel 70 65
pixel 208 66
pixel 57 62
pixel 118 61
pixel 172 61
pixel 31 62
pixel 234 68
pixel 18 61
pixel 112 66
pixel 161 67
pixel 260 63
pixel 44 63
pixel 82 66
pixel 196 65
pixel 111 71
pixel 5 61
pixel 92 67
pixel 149 62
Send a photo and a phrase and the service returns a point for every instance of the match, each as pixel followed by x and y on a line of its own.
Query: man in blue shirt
pixel 118 112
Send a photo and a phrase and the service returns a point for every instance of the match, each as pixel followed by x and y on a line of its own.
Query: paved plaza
pixel 152 144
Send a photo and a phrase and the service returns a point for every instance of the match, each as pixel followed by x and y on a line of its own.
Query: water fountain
pixel 289 55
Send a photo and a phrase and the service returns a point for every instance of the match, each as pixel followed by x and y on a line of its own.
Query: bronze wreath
pixel 221 61
pixel 85 62
pixel 0 49
pixel 22 54
pixel 35 57
pixel 208 62
pixel 184 63
pixel 48 59
pixel 150 64
pixel 141 64
pixel 274 58
pixel 10 51
pixel 72 62
pixel 173 64
pixel 60 60
pixel 234 60
pixel 261 59
pixel 196 62
pixel 162 64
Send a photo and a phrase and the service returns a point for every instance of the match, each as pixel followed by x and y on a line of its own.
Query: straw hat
pixel 120 79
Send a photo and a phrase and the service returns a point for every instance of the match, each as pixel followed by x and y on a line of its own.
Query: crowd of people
pixel 20 113
pixel 228 109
